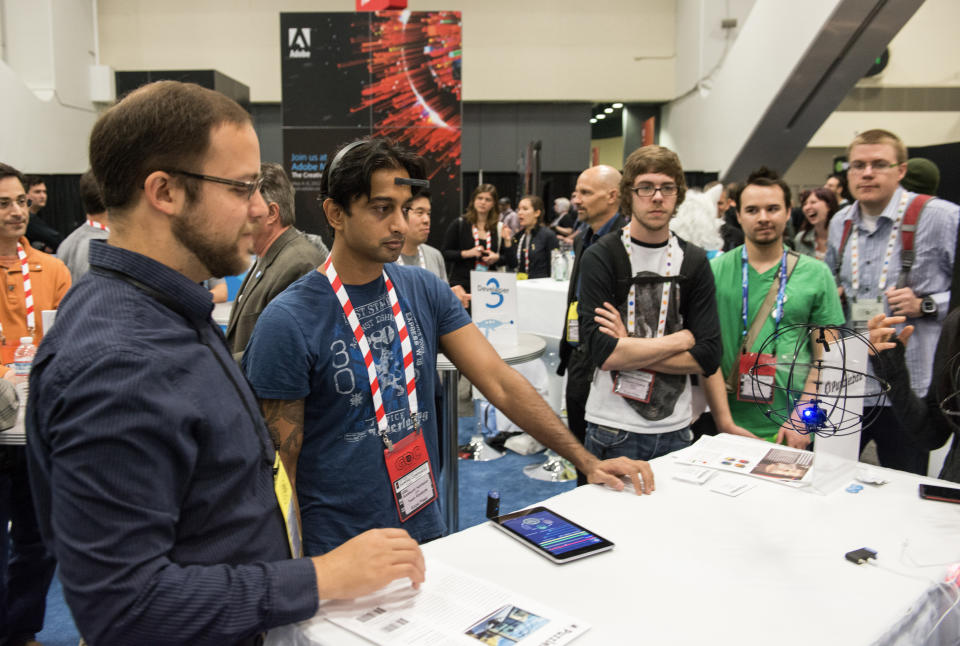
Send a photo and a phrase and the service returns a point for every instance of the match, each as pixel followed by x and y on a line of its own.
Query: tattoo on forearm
pixel 285 422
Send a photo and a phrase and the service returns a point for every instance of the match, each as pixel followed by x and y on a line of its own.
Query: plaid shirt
pixel 930 275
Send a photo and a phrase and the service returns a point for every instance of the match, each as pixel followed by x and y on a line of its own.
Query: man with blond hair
pixel 865 249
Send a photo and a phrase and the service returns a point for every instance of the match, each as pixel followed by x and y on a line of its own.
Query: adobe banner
pixel 386 73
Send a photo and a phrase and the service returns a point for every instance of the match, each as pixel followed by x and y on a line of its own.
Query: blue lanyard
pixel 745 283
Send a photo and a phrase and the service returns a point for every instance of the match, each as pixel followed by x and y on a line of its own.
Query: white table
pixel 542 306
pixel 528 348
pixel 696 567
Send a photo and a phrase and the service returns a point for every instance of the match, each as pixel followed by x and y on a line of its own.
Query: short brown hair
pixel 90 195
pixel 536 203
pixel 650 159
pixel 878 136
pixel 9 171
pixel 162 125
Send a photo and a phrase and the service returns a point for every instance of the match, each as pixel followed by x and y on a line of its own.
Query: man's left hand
pixel 608 473
pixel 903 302
pixel 787 434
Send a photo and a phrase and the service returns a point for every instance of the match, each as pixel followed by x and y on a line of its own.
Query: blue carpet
pixel 476 478
pixel 506 476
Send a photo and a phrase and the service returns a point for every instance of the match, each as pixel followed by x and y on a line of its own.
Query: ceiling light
pixel 601 116
pixel 593 120
pixel 608 110
pixel 617 106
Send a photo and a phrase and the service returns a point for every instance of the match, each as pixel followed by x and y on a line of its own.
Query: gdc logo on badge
pixel 298 40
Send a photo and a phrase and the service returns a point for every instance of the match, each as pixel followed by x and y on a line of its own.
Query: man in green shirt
pixel 808 296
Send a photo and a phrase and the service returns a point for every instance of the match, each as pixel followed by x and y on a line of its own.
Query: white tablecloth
pixel 696 567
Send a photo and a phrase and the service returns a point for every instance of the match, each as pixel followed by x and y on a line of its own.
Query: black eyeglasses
pixel 250 187
pixel 647 190
pixel 23 202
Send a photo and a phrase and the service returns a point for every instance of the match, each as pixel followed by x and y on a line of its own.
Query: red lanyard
pixel 27 289
pixel 476 237
pixel 98 225
pixel 405 347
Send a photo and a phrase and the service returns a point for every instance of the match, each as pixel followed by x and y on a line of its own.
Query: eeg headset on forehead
pixel 401 181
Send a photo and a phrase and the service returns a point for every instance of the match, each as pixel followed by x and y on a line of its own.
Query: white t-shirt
pixel 669 408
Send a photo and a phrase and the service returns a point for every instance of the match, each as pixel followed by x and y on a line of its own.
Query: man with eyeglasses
pixel 416 252
pixel 32 281
pixel 283 255
pixel 156 483
pixel 864 248
pixel 648 318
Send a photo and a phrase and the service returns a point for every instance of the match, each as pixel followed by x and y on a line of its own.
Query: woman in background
pixel 818 206
pixel 472 240
pixel 528 250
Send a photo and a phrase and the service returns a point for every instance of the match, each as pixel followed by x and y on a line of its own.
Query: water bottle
pixel 558 265
pixel 22 361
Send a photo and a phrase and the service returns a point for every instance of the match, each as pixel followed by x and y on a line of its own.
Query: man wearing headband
pixel 344 363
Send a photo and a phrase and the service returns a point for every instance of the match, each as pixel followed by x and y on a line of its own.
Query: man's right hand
pixel 882 332
pixel 368 562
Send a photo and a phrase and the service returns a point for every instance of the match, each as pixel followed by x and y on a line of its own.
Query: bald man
pixel 596 200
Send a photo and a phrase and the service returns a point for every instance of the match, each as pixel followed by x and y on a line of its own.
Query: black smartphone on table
pixel 943 494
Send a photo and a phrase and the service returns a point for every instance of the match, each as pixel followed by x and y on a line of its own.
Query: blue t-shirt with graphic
pixel 303 348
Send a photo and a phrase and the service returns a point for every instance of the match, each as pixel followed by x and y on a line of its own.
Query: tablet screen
pixel 551 532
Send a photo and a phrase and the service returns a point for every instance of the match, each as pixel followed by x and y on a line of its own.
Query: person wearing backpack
pixel 892 252
pixel 647 316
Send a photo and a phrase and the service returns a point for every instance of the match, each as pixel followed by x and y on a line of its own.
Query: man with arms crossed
pixel 869 269
pixel 647 316
pixel 154 476
pixel 283 255
pixel 808 297
pixel 596 200
pixel 344 363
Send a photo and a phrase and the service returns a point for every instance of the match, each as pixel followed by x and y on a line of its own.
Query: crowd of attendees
pixel 173 470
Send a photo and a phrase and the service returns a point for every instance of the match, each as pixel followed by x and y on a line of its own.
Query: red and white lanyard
pixel 476 238
pixel 855 256
pixel 405 347
pixel 27 288
pixel 420 259
pixel 98 225
pixel 672 246
pixel 525 250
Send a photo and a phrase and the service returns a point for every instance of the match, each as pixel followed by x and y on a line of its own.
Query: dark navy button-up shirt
pixel 152 469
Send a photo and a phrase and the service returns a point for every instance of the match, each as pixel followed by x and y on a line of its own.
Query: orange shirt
pixel 50 280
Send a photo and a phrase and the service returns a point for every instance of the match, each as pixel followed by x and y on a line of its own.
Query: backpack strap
pixel 847 227
pixel 908 231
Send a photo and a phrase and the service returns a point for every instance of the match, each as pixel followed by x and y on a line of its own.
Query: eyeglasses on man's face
pixel 877 165
pixel 23 202
pixel 250 188
pixel 645 189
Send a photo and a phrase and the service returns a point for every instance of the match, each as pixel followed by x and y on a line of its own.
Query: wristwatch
pixel 928 306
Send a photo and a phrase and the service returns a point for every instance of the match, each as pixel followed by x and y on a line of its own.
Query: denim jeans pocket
pixel 608 438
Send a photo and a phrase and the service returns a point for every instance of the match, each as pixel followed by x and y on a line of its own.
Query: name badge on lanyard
pixel 864 309
pixel 758 371
pixel 407 461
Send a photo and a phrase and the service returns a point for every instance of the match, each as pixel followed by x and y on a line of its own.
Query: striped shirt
pixel 930 275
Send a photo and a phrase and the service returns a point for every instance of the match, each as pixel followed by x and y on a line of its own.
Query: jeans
pixel 605 442
pixel 26 576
